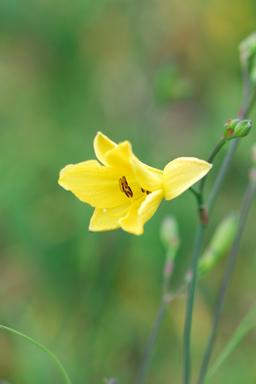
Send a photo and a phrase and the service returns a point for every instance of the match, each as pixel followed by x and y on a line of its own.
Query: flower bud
pixel 248 56
pixel 254 154
pixel 235 128
pixel 169 233
pixel 252 172
pixel 247 49
pixel 110 381
pixel 219 245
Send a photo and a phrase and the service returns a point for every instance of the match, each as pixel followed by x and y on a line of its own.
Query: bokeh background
pixel 165 75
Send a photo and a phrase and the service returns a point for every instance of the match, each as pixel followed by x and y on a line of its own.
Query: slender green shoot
pixel 56 361
pixel 246 325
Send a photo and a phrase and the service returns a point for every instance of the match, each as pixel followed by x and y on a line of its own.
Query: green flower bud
pixel 253 72
pixel 169 233
pixel 219 245
pixel 254 154
pixel 235 128
pixel 110 381
pixel 247 49
pixel 248 56
pixel 252 173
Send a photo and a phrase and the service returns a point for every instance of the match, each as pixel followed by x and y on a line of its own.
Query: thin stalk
pixel 151 343
pixel 203 216
pixel 221 175
pixel 167 298
pixel 211 158
pixel 190 301
pixel 197 195
pixel 247 202
pixel 199 242
pixel 56 361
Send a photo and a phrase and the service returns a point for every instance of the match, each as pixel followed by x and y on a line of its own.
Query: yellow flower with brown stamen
pixel 124 191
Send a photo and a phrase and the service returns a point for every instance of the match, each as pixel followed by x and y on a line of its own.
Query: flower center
pixel 127 190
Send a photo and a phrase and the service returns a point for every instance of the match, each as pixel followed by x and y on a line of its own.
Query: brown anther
pixel 124 187
pixel 144 191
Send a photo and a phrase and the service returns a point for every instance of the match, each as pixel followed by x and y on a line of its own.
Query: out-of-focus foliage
pixel 68 69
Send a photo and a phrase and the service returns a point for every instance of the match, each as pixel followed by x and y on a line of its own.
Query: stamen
pixel 143 191
pixel 124 187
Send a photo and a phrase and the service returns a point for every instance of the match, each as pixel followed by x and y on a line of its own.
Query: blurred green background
pixel 164 74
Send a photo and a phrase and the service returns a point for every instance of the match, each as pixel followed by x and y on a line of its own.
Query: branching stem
pixel 246 205
pixel 203 215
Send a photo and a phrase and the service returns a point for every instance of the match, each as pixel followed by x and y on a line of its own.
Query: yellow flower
pixel 124 191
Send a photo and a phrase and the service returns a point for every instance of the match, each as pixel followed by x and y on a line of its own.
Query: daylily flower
pixel 124 191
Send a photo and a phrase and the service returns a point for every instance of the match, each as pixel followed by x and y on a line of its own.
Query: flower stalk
pixel 170 238
pixel 203 220
pixel 245 208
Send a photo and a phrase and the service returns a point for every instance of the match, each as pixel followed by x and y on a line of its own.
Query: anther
pixel 124 187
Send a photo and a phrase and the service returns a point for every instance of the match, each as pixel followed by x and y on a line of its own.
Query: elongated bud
pixel 252 173
pixel 235 128
pixel 219 244
pixel 110 381
pixel 254 154
pixel 169 233
pixel 247 50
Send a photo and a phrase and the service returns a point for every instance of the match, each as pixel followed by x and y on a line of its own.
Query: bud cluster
pixel 235 128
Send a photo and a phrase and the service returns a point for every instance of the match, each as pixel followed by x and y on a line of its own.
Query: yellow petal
pixel 94 184
pixel 151 179
pixel 106 219
pixel 140 212
pixel 181 173
pixel 120 157
pixel 102 144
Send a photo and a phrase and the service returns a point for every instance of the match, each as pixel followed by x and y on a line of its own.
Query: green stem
pixel 56 361
pixel 166 298
pixel 200 194
pixel 211 158
pixel 190 301
pixel 151 343
pixel 197 195
pixel 248 199
pixel 199 242
pixel 221 175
